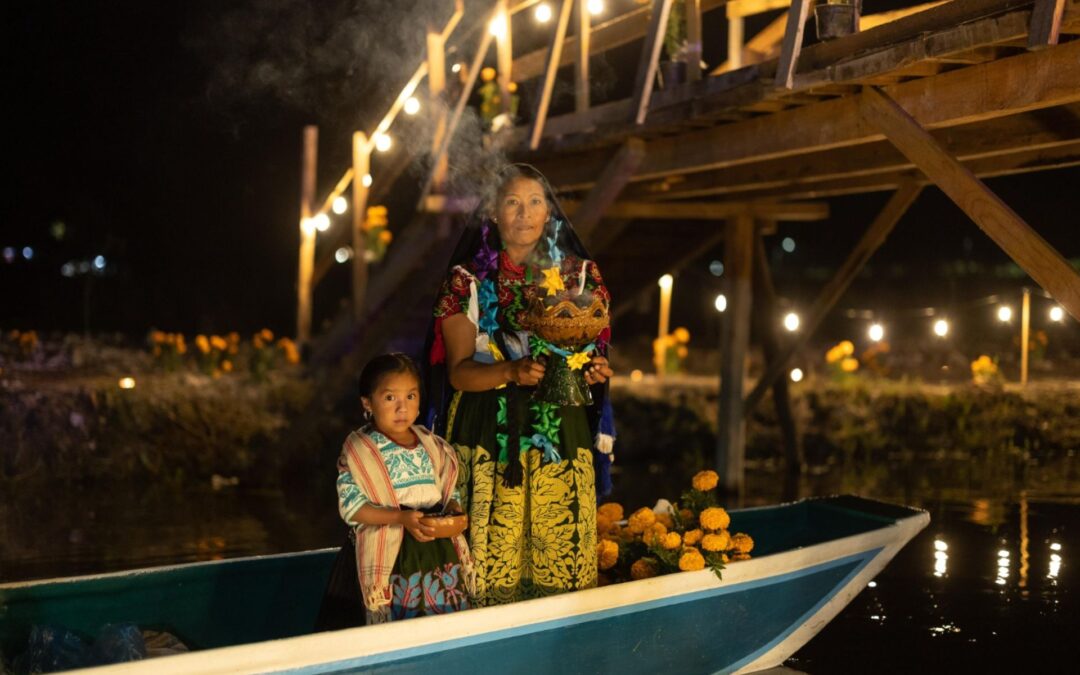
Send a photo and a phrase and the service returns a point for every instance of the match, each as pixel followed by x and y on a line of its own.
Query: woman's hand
pixel 410 520
pixel 598 371
pixel 526 372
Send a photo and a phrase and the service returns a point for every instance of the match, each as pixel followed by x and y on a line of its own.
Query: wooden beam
pixel 581 71
pixel 792 45
pixel 764 45
pixel 614 176
pixel 1045 23
pixel 693 39
pixel 554 54
pixel 605 234
pixel 1042 79
pixel 436 54
pixel 793 211
pixel 306 264
pixel 731 429
pixel 737 9
pixel 650 57
pixel 1008 230
pixel 871 241
pixel 504 54
pixel 1027 131
pixel 735 45
pixel 361 156
pixel 868 21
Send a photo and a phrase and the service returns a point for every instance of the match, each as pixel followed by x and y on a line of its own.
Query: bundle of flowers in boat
pixel 687 536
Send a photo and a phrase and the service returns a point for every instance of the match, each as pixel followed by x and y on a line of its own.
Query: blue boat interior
pixel 218 604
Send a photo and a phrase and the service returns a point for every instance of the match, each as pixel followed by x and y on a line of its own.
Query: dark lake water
pixel 988 587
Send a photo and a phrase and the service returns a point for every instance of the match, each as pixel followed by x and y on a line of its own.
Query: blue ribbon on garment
pixel 541 442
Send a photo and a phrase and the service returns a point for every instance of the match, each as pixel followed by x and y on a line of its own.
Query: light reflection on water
pixel 988 584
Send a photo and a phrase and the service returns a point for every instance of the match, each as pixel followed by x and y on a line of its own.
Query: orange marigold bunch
pixel 691 560
pixel 640 520
pixel 716 543
pixel 671 541
pixel 607 554
pixel 692 537
pixel 742 543
pixel 715 519
pixel 705 480
pixel 611 510
pixel 644 568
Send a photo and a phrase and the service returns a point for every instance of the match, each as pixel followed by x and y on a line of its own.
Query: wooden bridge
pixel 945 93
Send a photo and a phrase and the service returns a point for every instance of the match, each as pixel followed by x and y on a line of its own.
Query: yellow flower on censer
pixel 692 537
pixel 641 519
pixel 742 542
pixel 607 554
pixel 715 543
pixel 611 510
pixel 643 569
pixel 671 541
pixel 552 281
pixel 577 360
pixel 714 518
pixel 691 560
pixel 705 480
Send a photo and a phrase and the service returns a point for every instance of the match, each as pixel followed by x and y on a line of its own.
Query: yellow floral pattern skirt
pixel 536 539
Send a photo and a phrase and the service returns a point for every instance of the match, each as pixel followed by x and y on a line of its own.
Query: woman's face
pixel 395 403
pixel 521 212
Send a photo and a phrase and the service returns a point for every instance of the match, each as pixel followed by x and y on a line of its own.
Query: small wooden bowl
pixel 446 526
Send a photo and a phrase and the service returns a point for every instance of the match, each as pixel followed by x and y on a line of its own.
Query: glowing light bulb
pixel 321 222
pixel 497 27
pixel 796 375
pixel 788 244
pixel 307 226
pixel 341 205
pixel 99 262
pixel 666 281
pixel 28 253
pixel 720 302
pixel 791 322
pixel 383 142
pixel 343 254
pixel 1055 546
pixel 542 13
pixel 876 332
pixel 941 328
pixel 412 105
pixel 1004 314
pixel 939 545
pixel 595 7
pixel 1057 314
pixel 127 383
pixel 716 268
pixel 456 68
pixel 366 180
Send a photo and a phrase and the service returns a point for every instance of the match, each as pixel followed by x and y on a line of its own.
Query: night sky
pixel 166 138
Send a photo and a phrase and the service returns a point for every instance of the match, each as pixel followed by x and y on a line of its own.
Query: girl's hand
pixel 526 372
pixel 598 371
pixel 410 520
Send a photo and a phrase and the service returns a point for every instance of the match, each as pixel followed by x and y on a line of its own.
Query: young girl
pixel 390 472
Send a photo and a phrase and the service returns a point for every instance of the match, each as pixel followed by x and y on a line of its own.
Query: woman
pixel 529 472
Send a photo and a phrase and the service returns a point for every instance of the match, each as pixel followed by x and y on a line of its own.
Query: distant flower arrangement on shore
pixel 217 355
pixel 687 536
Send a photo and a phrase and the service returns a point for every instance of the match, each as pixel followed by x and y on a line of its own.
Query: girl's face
pixel 395 403
pixel 521 212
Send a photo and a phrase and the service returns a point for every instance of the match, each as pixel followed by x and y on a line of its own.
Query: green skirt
pixel 536 539
pixel 426 580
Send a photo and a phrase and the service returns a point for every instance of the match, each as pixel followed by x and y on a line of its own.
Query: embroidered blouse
pixel 411 474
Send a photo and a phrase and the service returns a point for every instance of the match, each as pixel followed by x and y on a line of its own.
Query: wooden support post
pixel 608 186
pixel 1025 335
pixel 735 38
pixel 1008 230
pixel 581 70
pixel 650 57
pixel 731 435
pixel 765 299
pixel 436 53
pixel 792 45
pixel 361 156
pixel 874 237
pixel 693 39
pixel 504 54
pixel 1045 23
pixel 554 54
pixel 307 234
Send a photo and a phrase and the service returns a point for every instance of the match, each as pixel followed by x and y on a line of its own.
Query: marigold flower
pixel 740 556
pixel 641 519
pixel 202 343
pixel 705 480
pixel 681 335
pixel 714 518
pixel 607 554
pixel 714 543
pixel 666 519
pixel 218 343
pixel 386 236
pixel 654 533
pixel 742 542
pixel 267 335
pixel 157 337
pixel 611 510
pixel 258 342
pixel 226 366
pixel 644 569
pixel 847 347
pixel 849 365
pixel 691 560
pixel 691 537
pixel 671 541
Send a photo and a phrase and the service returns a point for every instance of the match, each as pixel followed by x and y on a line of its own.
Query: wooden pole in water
pixel 307 234
pixel 361 167
pixel 1025 335
pixel 731 437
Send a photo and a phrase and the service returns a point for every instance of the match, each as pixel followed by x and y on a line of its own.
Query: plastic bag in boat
pixel 118 643
pixel 50 649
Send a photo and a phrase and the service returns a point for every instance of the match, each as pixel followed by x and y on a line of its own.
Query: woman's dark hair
pixel 383 365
